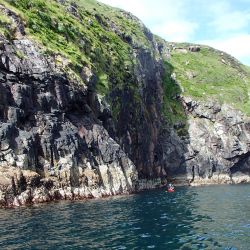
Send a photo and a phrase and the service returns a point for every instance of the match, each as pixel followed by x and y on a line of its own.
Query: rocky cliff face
pixel 63 138
pixel 218 148
pixel 48 128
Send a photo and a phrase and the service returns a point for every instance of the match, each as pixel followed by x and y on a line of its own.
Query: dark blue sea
pixel 211 217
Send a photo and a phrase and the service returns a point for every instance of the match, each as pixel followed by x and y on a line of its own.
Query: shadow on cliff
pixel 174 136
pixel 149 121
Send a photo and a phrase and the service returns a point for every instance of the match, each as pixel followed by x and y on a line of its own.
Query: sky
pixel 222 24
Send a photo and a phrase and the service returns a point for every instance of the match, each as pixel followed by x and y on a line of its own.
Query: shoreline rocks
pixel 41 194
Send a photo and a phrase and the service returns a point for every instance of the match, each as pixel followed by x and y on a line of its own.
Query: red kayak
pixel 170 190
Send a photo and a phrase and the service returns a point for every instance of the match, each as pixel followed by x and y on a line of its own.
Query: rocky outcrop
pixel 218 147
pixel 194 48
pixel 49 129
pixel 61 139
pixel 62 129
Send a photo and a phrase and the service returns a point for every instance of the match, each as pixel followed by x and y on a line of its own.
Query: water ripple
pixel 215 217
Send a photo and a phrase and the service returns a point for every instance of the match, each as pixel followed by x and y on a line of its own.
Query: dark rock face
pixel 194 48
pixel 48 127
pixel 139 123
pixel 60 140
pixel 218 148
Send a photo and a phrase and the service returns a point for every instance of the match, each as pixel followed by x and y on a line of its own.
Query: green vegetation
pixel 86 33
pixel 6 27
pixel 172 108
pixel 20 54
pixel 210 73
pixel 103 84
pixel 82 37
pixel 4 20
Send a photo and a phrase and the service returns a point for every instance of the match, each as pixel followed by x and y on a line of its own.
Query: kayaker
pixel 170 187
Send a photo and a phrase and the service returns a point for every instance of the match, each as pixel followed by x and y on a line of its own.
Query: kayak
pixel 170 190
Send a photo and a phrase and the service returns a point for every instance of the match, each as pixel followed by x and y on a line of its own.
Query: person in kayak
pixel 170 187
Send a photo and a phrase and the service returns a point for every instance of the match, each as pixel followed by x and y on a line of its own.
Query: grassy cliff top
pixel 85 33
pixel 210 73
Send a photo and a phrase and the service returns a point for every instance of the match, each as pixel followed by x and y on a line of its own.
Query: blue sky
pixel 223 24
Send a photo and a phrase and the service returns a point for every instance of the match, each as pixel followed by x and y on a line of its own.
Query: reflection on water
pixel 215 217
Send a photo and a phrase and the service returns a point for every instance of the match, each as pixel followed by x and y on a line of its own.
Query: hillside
pixel 209 73
pixel 93 104
pixel 90 30
pixel 81 33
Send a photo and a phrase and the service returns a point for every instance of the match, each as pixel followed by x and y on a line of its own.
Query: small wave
pixel 145 235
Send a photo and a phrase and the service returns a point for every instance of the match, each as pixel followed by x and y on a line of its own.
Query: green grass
pixel 102 39
pixel 6 28
pixel 103 84
pixel 83 40
pixel 216 75
pixel 173 110
pixel 98 37
pixel 129 26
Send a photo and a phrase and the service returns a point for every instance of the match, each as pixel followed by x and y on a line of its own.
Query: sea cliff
pixel 93 104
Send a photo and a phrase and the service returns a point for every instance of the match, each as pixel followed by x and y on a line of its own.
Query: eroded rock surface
pixel 49 129
pixel 60 139
pixel 218 145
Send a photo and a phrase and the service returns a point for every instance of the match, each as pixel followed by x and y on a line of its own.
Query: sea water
pixel 210 217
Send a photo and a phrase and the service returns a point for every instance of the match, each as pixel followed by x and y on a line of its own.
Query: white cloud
pixel 149 10
pixel 136 7
pixel 163 17
pixel 178 30
pixel 218 8
pixel 237 45
pixel 231 21
pixel 225 17
pixel 223 24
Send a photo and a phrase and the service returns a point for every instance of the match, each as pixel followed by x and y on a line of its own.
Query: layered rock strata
pixel 61 139
pixel 52 144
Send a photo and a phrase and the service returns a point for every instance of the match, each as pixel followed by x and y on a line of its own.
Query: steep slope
pixel 211 74
pixel 92 104
pixel 76 94
pixel 215 94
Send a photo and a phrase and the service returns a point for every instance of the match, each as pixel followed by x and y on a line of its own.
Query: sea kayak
pixel 170 190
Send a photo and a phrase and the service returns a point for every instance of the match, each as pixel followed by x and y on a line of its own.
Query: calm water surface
pixel 214 217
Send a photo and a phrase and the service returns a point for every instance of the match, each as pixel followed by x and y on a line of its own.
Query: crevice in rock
pixel 241 164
